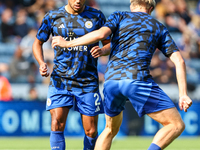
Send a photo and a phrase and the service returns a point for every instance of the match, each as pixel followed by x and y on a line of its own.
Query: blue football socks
pixel 89 142
pixel 57 140
pixel 154 147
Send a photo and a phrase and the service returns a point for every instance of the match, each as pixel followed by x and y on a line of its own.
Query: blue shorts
pixel 146 97
pixel 89 104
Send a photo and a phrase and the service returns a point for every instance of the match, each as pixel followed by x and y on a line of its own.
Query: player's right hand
pixel 44 70
pixel 96 51
pixel 185 102
pixel 58 41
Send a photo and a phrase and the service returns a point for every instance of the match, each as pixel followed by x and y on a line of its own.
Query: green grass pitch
pixel 72 143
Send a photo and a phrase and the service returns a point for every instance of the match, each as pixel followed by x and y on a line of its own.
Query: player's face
pixel 76 6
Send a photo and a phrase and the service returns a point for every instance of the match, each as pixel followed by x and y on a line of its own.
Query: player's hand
pixel 44 70
pixel 185 102
pixel 58 41
pixel 96 51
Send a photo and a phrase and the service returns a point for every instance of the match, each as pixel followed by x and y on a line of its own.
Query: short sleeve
pixel 166 43
pixel 45 29
pixel 113 21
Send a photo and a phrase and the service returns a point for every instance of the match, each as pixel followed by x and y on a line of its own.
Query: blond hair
pixel 144 3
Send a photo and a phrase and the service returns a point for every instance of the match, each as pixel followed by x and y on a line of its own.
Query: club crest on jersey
pixel 88 24
pixel 48 102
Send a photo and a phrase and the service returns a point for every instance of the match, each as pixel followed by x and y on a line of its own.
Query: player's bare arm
pixel 184 101
pixel 38 53
pixel 87 39
pixel 106 47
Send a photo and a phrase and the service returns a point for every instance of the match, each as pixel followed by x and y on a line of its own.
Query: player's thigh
pixel 58 117
pixel 89 104
pixel 114 123
pixel 58 98
pixel 167 116
pixel 147 97
pixel 114 100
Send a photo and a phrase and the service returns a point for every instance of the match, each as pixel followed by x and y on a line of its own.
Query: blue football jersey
pixel 135 37
pixel 74 68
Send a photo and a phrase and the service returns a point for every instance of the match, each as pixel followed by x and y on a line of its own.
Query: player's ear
pixel 130 7
pixel 150 10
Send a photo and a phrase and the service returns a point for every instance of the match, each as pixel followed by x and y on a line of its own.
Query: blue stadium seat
pixel 7 51
pixel 108 7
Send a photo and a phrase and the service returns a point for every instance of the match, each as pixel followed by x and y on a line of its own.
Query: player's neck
pixel 139 9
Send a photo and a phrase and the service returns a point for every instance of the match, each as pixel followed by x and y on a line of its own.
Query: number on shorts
pixel 97 98
pixel 97 103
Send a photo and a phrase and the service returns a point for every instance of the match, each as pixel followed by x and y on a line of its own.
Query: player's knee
pixel 113 130
pixel 92 132
pixel 56 125
pixel 179 127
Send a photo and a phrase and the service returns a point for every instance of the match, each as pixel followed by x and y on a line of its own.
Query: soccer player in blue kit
pixel 74 79
pixel 135 37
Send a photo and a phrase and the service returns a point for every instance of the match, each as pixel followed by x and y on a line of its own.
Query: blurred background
pixel 23 91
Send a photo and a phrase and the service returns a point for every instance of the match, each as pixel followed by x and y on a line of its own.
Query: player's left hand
pixel 184 102
pixel 58 41
pixel 96 51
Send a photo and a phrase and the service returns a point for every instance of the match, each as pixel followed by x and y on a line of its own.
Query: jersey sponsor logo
pixel 76 48
pixel 71 36
pixel 61 26
pixel 88 24
pixel 48 102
